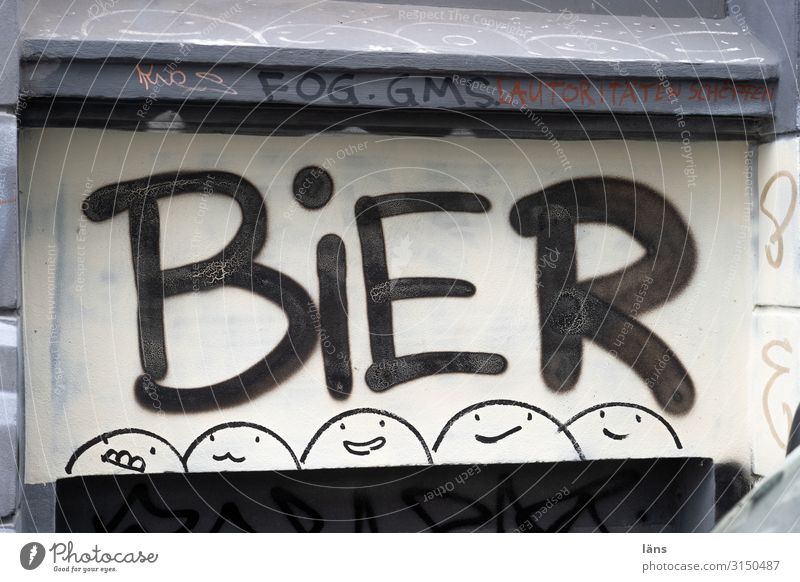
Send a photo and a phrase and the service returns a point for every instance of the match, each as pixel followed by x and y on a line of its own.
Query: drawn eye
pixel 258 439
pixel 152 450
pixel 638 418
pixel 382 423
pixel 341 426
pixel 477 417
pixel 530 416
pixel 602 414
pixel 211 438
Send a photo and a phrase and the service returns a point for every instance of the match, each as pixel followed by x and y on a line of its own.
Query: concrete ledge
pixel 372 37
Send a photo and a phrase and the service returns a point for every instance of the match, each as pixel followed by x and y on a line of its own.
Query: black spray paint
pixel 333 327
pixel 233 266
pixel 387 369
pixel 602 309
pixel 312 187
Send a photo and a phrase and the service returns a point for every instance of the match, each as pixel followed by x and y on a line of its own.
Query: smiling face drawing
pixel 622 430
pixel 615 436
pixel 504 431
pixel 127 451
pixel 366 437
pixel 239 446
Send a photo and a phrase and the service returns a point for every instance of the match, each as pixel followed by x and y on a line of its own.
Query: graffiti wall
pixel 775 392
pixel 240 303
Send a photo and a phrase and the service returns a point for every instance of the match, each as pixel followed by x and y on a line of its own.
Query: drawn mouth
pixel 616 437
pixel 124 460
pixel 493 439
pixel 228 456
pixel 364 448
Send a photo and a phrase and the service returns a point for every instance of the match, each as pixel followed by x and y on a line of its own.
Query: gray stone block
pixel 9 380
pixel 37 511
pixel 9 238
pixel 9 43
pixel 9 367
pixel 8 453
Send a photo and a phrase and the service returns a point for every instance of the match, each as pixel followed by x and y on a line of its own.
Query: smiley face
pixel 504 431
pixel 622 430
pixel 366 437
pixel 127 451
pixel 239 446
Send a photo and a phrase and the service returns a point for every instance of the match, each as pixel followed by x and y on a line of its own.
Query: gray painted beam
pixel 150 82
pixel 776 23
pixel 373 37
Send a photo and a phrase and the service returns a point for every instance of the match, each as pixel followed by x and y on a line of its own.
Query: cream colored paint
pixel 775 392
pixel 81 344
pixel 778 252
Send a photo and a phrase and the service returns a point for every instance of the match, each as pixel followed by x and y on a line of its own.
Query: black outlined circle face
pixel 366 437
pixel 619 436
pixel 622 430
pixel 503 431
pixel 125 452
pixel 239 446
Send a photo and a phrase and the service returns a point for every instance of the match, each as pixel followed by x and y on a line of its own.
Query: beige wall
pixel 81 332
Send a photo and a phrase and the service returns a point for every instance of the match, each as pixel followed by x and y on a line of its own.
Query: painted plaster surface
pixel 215 302
pixel 774 393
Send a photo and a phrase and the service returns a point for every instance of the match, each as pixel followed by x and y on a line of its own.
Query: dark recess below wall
pixel 644 495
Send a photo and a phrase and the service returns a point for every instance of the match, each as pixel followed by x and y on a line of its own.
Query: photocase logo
pixel 31 555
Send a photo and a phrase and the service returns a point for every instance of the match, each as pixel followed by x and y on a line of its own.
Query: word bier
pixel 571 310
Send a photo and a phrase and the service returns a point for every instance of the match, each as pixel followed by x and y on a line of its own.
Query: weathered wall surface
pixel 104 354
pixel 9 266
pixel 775 392
pixel 341 301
